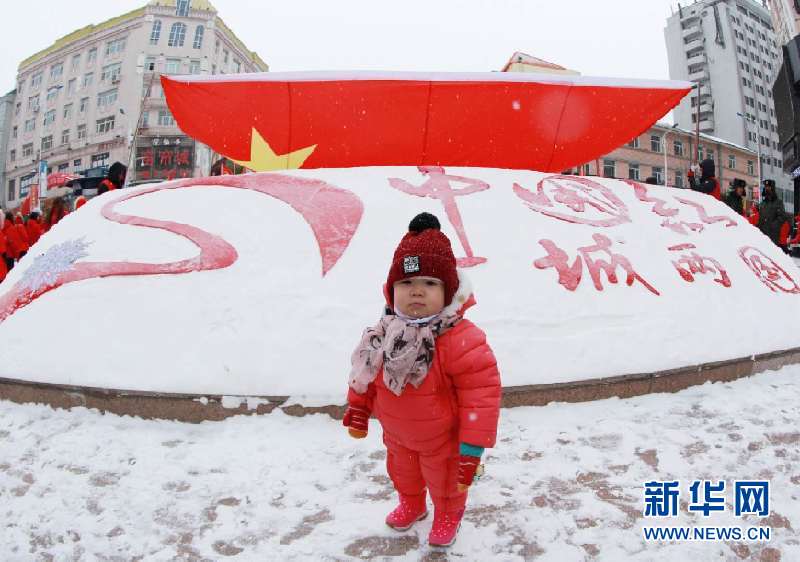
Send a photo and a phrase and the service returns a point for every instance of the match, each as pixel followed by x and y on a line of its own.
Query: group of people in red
pixel 769 216
pixel 18 233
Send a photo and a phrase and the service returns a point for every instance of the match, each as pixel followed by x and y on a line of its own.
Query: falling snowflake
pixel 58 259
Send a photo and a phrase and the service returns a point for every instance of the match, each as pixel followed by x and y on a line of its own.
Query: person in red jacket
pixel 753 218
pixel 16 238
pixel 33 228
pixel 57 212
pixel 115 178
pixel 430 378
pixel 708 182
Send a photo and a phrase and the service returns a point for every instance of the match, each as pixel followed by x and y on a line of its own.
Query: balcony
pixel 705 90
pixel 697 58
pixel 698 75
pixel 696 44
pixel 692 33
pixel 706 125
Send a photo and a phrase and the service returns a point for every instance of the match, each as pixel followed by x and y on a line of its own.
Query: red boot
pixel 445 527
pixel 410 510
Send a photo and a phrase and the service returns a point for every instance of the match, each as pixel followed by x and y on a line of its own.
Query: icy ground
pixel 564 483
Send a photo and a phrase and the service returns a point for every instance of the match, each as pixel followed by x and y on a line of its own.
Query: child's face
pixel 419 297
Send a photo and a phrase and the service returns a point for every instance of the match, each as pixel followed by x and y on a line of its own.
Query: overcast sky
pixel 623 38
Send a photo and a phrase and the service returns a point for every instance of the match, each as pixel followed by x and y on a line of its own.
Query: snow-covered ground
pixel 564 483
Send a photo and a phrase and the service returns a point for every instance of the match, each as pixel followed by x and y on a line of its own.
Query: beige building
pixel 785 19
pixel 94 96
pixel 522 62
pixel 645 155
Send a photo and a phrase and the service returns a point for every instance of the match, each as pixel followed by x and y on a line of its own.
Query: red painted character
pixel 431 379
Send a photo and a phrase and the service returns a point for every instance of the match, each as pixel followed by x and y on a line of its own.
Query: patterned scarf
pixel 404 348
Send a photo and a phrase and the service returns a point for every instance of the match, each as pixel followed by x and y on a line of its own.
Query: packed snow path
pixel 564 483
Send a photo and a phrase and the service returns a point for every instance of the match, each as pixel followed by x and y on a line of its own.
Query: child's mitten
pixel 467 467
pixel 356 419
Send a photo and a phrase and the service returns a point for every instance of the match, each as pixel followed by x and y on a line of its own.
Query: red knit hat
pixel 424 252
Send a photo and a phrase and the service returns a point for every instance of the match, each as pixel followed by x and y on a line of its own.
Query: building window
pixel 63 167
pixel 88 78
pixel 165 118
pixel 92 56
pixel 198 37
pixel 177 34
pixel 36 80
pixel 76 164
pixel 65 136
pixel 11 190
pixel 67 111
pixel 100 159
pixel 17 108
pixel 658 173
pixel 25 183
pixel 677 147
pixel 47 142
pixel 84 105
pixel 633 172
pixel 709 153
pixel 145 118
pixel 52 94
pixel 76 63
pixel 194 67
pixel 155 32
pixel 655 143
pixel 173 66
pixel 12 155
pixel 679 179
pixel 115 47
pixel 14 132
pixel 30 125
pixel 213 69
pixel 609 168
pixel 225 55
pixel 150 64
pixel 56 71
pixel 104 125
pixel 750 169
pixel 27 150
pixel 111 73
pixel 49 117
pixel 107 98
pixel 71 86
pixel 182 8
pixel 81 132
pixel 731 161
pixel 33 103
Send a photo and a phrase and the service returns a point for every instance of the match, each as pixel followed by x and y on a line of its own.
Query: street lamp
pixel 747 118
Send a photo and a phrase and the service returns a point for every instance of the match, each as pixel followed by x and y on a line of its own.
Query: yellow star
pixel 264 159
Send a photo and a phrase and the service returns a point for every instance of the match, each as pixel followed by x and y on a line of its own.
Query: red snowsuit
pixel 458 402
pixel 3 249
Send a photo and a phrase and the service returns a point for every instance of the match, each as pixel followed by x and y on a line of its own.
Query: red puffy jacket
pixel 34 230
pixel 16 243
pixel 3 249
pixel 461 390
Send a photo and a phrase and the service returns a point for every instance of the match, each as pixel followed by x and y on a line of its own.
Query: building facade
pixel 785 19
pixel 666 153
pixel 94 97
pixel 730 50
pixel 6 112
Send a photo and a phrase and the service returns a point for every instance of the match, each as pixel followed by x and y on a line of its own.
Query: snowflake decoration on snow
pixel 57 260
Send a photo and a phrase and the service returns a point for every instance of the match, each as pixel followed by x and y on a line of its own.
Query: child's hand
pixel 467 466
pixel 356 419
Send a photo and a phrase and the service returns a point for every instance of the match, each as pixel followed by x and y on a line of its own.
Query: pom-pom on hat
pixel 424 252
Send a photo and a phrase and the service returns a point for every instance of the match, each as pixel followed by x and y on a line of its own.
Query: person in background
pixel 33 227
pixel 735 197
pixel 16 239
pixel 753 217
pixel 708 182
pixel 771 213
pixel 4 265
pixel 115 178
pixel 651 180
pixel 57 212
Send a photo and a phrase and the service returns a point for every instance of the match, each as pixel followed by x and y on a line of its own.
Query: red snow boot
pixel 445 528
pixel 410 510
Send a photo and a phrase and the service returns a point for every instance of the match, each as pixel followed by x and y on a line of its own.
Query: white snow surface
pixel 564 483
pixel 272 325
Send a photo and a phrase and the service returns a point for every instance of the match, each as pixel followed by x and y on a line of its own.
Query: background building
pixel 666 153
pixel 785 19
pixel 6 113
pixel 94 96
pixel 522 62
pixel 729 49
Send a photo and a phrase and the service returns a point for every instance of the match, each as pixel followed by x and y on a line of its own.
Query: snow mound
pixel 261 284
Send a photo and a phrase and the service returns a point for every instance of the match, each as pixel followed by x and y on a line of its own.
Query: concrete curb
pixel 197 408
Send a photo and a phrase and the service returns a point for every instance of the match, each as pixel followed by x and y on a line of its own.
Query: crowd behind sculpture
pixel 18 231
